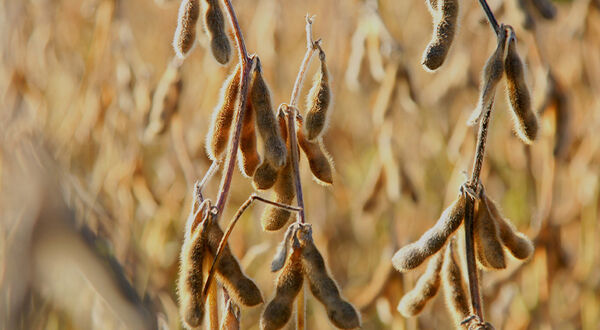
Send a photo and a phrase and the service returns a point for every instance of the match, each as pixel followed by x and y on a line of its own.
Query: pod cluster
pixel 258 117
pixel 214 24
pixel 493 234
pixel 298 259
pixel 309 130
pixel 200 245
pixel 506 60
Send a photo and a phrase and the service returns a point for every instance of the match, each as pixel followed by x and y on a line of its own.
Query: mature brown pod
pixel 282 249
pixel 526 123
pixel 319 97
pixel 275 151
pixel 318 159
pixel 340 312
pixel 289 283
pixel 214 23
pixel 413 254
pixel 222 116
pixel 249 158
pixel 185 33
pixel 443 35
pixel 490 77
pixel 488 249
pixel 455 293
pixel 427 287
pixel 545 7
pixel 265 176
pixel 240 288
pixel 518 244
pixel 274 218
pixel 189 285
pixel 164 101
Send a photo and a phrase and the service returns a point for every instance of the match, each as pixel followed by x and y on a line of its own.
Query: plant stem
pixel 232 224
pixel 310 49
pixel 247 64
pixel 292 112
pixel 490 16
pixel 469 210
pixel 291 123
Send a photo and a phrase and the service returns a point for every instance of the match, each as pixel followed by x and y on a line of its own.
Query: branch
pixel 292 113
pixel 490 16
pixel 471 194
pixel 232 224
pixel 311 46
pixel 247 67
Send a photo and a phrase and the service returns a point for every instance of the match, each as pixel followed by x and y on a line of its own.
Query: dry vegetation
pixel 103 136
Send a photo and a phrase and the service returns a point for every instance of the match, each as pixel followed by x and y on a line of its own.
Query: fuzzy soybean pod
pixel 413 254
pixel 289 283
pixel 317 103
pixel 455 293
pixel 222 116
pixel 526 123
pixel 340 312
pixel 185 33
pixel 282 249
pixel 241 288
pixel 189 285
pixel 249 158
pixel 274 218
pixel 214 23
pixel 265 176
pixel 427 287
pixel 518 244
pixel 488 248
pixel 491 76
pixel 443 34
pixel 319 160
pixel 275 151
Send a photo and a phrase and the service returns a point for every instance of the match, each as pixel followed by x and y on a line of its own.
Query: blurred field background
pixel 88 204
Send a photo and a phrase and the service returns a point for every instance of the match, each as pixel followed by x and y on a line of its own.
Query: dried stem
pixel 469 208
pixel 292 113
pixel 490 16
pixel 232 224
pixel 310 50
pixel 247 64
pixel 291 123
pixel 473 184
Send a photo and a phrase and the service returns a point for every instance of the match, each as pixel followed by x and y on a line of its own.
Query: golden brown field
pixel 98 159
